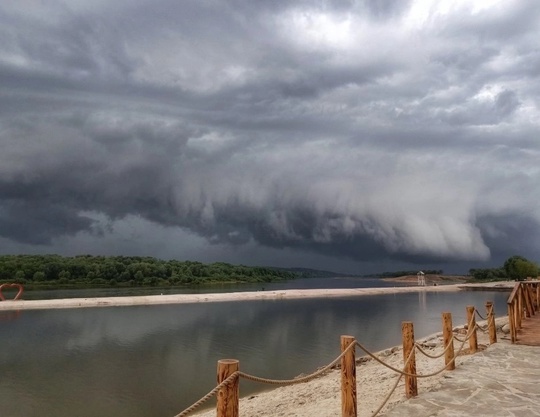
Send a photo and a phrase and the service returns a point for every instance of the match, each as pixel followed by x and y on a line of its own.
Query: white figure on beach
pixel 421 279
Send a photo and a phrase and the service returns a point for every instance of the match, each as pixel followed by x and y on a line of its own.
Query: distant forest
pixel 86 271
pixel 514 268
pixel 54 271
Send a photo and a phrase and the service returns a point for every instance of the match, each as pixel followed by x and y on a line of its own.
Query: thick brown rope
pixel 469 333
pixel 254 378
pixel 484 329
pixel 387 398
pixel 460 340
pixel 396 369
pixel 213 392
pixel 419 347
pixel 300 379
pixel 417 375
pixel 467 337
pixel 479 315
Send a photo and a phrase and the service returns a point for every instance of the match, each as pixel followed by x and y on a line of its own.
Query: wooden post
pixel 519 314
pixel 532 294
pixel 348 378
pixel 411 384
pixel 530 297
pixel 511 323
pixel 227 397
pixel 491 323
pixel 448 340
pixel 537 297
pixel 527 301
pixel 471 320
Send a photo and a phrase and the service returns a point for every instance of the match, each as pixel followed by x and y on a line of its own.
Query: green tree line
pixel 54 271
pixel 514 268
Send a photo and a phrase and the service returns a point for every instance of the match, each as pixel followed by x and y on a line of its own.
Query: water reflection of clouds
pixel 127 326
pixel 275 322
pixel 82 329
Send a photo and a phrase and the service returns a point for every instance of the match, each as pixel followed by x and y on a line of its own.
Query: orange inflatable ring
pixel 18 286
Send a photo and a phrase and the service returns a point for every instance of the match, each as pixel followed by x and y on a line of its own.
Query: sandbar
pixel 222 297
pixel 211 297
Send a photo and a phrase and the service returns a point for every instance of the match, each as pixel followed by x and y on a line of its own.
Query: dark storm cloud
pixel 21 222
pixel 373 131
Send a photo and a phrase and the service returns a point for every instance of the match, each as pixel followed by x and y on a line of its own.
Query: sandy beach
pixel 321 397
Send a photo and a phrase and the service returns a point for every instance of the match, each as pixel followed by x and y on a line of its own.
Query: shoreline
pixel 9 305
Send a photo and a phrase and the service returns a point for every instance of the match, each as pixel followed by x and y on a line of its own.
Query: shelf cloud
pixel 345 134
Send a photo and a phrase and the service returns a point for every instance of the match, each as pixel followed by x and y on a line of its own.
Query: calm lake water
pixel 153 361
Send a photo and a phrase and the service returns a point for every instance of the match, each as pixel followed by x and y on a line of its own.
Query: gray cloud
pixel 357 135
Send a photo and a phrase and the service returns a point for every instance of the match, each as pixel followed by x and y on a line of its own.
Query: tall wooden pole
pixel 448 340
pixel 348 378
pixel 228 396
pixel 491 323
pixel 411 384
pixel 471 320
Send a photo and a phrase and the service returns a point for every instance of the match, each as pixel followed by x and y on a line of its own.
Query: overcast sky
pixel 355 136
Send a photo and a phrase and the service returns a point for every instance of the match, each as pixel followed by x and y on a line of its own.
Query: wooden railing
pixel 523 302
pixel 229 374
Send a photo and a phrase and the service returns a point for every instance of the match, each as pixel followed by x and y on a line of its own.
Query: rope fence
pixel 229 373
pixel 403 373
